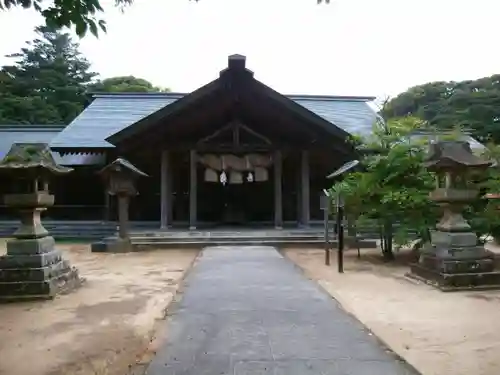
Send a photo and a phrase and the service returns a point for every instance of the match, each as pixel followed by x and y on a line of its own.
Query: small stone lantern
pixel 33 268
pixel 454 260
pixel 120 177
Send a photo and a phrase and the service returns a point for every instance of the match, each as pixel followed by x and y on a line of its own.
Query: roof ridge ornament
pixel 236 61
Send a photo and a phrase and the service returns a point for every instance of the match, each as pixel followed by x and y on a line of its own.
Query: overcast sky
pixel 350 47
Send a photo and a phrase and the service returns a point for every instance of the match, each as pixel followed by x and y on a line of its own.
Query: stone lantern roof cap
pixel 32 157
pixel 120 165
pixel 450 155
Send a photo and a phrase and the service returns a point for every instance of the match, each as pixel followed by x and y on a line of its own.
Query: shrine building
pixel 233 152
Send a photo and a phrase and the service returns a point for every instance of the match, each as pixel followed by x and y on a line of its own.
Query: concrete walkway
pixel 247 310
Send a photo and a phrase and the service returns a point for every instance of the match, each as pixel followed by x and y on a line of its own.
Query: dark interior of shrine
pixel 229 204
pixel 79 195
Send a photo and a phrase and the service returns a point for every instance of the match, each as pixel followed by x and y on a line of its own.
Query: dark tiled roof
pixel 352 114
pixel 21 133
pixel 475 145
pixel 110 113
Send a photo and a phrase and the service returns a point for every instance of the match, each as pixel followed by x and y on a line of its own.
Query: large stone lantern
pixel 33 267
pixel 454 259
pixel 120 177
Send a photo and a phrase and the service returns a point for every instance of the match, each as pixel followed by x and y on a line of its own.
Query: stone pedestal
pixel 112 245
pixel 33 268
pixel 122 243
pixel 454 261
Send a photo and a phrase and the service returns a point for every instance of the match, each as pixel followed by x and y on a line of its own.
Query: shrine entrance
pixel 246 203
pixel 238 189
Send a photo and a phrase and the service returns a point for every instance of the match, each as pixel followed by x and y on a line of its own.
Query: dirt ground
pixel 105 326
pixel 438 333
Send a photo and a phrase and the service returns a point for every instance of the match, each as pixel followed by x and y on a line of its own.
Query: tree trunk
pixel 386 244
pixel 425 235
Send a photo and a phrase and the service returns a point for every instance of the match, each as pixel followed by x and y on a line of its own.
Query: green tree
pixel 47 82
pixel 393 185
pixel 484 214
pixel 472 104
pixel 125 84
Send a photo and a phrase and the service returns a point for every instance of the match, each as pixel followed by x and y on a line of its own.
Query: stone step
pixel 95 230
pixel 223 238
pixel 249 241
pixel 232 237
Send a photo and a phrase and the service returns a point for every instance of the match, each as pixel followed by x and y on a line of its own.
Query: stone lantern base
pixel 33 268
pixel 453 261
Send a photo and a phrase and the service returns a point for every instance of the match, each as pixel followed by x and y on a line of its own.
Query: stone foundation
pixel 449 282
pixel 34 269
pixel 112 245
pixel 455 262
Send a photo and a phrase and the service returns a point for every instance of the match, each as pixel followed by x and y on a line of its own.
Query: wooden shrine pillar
pixel 193 189
pixel 304 188
pixel 298 195
pixel 165 190
pixel 107 207
pixel 278 190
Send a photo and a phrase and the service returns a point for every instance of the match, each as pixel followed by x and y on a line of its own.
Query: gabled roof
pixel 29 133
pixel 112 113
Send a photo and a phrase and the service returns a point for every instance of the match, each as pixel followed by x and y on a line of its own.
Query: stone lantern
pixel 454 260
pixel 33 268
pixel 120 177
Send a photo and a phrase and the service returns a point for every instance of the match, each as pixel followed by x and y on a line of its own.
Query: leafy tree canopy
pixel 47 82
pixel 473 104
pixel 67 13
pixel 392 185
pixel 125 84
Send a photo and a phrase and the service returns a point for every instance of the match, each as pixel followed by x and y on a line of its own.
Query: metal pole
pixel 340 237
pixel 326 217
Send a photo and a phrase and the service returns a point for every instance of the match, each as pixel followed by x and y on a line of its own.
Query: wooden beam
pixel 193 189
pixel 216 133
pixel 165 190
pixel 236 136
pixel 254 133
pixel 278 190
pixel 305 188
